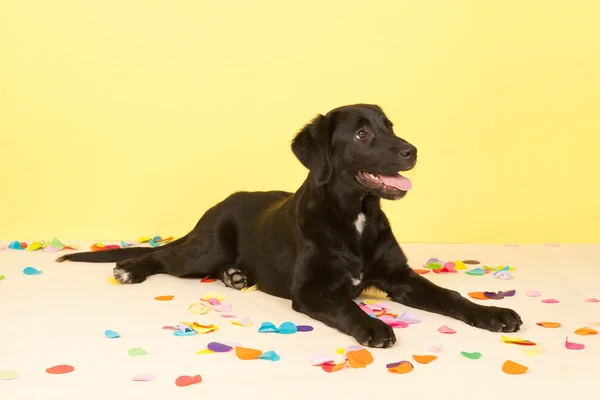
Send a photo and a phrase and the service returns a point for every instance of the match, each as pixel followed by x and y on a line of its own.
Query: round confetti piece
pixel 471 262
pixel 533 293
pixel 332 367
pixel 114 281
pixel 287 328
pixel 219 347
pixel 471 356
pixel 424 359
pixel 143 377
pixel 186 380
pixel 304 328
pixel 512 368
pixel 1 277
pixel 244 353
pixel 401 367
pixel 359 358
pixel 586 331
pixel 8 375
pixel 137 352
pixel 549 324
pixel 164 298
pixel 60 369
pixel 111 334
pixel 31 271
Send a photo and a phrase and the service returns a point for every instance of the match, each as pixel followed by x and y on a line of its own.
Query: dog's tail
pixel 115 255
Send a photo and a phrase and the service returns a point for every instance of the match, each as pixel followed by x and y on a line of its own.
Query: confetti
pixel 500 295
pixel 305 328
pixel 333 367
pixel 15 246
pixel 207 279
pixel 460 265
pixel 249 289
pixel 421 271
pixel 138 351
pixel 431 260
pixel 111 334
pixel 359 358
pixel 202 329
pixel 60 369
pixel 435 349
pixel 321 358
pixel 533 293
pixel 164 298
pixel 446 329
pixel 512 368
pixel 409 318
pixel 573 345
pixel 199 308
pixel 549 324
pixel 114 281
pixel 471 262
pixel 519 341
pixel 586 331
pixel 424 359
pixel 478 295
pixel 476 271
pixel 2 277
pixel 591 300
pixel 143 378
pixel 245 322
pixel 550 301
pixel 8 375
pixel 471 356
pixel 34 246
pixel 213 295
pixel 186 380
pixel 393 322
pixel 217 347
pixel 269 356
pixel 532 351
pixel 31 271
pixel 267 327
pixel 244 353
pixel 205 351
pixel 144 239
pixel 401 367
pixel 287 328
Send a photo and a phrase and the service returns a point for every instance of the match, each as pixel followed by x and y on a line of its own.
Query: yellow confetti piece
pixel 199 308
pixel 374 292
pixel 205 351
pixel 113 281
pixel 460 265
pixel 34 246
pixel 144 239
pixel 371 301
pixel 532 350
pixel 245 322
pixel 250 289
pixel 341 350
pixel 202 329
pixel 213 295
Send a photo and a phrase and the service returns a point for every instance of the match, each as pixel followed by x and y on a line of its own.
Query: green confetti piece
pixel 1 277
pixel 433 265
pixel 137 352
pixel 472 356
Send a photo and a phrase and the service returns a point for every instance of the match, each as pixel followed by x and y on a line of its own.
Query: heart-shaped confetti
pixel 333 367
pixel 111 334
pixel 219 347
pixel 512 368
pixel 435 349
pixel 426 359
pixel 8 375
pixel 471 356
pixel 224 307
pixel 15 246
pixel 60 369
pixel 532 350
pixel 137 352
pixel 401 367
pixel 143 378
pixel 476 271
pixel 409 318
pixel 267 327
pixel 114 281
pixel 445 329
pixel 31 271
pixel 246 322
pixel 359 358
pixel 200 308
pixel 186 380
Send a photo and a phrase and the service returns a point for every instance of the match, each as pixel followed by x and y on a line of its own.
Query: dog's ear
pixel 312 146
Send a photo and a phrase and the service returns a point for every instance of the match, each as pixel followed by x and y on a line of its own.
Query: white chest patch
pixel 357 281
pixel 360 223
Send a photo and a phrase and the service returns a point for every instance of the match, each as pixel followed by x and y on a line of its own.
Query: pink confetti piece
pixel 367 309
pixel 171 328
pixel 222 307
pixel 533 293
pixel 228 316
pixel 550 301
pixel 504 275
pixel 445 329
pixel 213 301
pixel 573 345
pixel 409 318
pixel 3 248
pixel 591 300
pixel 320 359
pixel 143 378
pixel 436 349
pixel 50 249
pixel 393 322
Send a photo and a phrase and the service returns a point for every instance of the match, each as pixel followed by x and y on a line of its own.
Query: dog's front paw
pixel 129 271
pixel 375 333
pixel 495 319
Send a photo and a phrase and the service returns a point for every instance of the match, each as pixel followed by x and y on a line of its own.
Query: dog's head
pixel 356 145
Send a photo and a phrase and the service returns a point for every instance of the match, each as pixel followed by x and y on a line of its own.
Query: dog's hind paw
pixel 129 271
pixel 234 278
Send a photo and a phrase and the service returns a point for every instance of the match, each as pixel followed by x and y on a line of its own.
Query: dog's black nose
pixel 408 151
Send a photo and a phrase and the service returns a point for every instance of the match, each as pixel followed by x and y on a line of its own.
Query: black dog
pixel 324 244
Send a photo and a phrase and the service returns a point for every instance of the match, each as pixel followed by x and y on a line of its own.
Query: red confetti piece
pixel 186 380
pixel 60 369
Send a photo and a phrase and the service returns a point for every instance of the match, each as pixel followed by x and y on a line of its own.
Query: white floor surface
pixel 59 317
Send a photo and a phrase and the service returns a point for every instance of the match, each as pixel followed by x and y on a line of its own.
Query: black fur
pixel 305 246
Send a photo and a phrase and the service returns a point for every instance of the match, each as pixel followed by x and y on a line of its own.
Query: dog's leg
pixel 392 275
pixel 340 312
pixel 235 277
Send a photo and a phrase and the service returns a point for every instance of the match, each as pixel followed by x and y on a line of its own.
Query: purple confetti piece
pixel 509 293
pixel 394 365
pixel 431 260
pixel 218 347
pixel 304 328
pixel 494 295
pixel 409 318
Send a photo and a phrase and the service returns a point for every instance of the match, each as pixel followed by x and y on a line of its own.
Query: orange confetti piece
pixel 549 324
pixel 424 359
pixel 359 358
pixel 244 353
pixel 164 298
pixel 586 331
pixel 403 367
pixel 207 279
pixel 329 367
pixel 478 296
pixel 97 247
pixel 421 271
pixel 512 368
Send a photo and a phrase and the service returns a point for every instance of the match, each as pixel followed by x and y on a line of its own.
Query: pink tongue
pixel 398 181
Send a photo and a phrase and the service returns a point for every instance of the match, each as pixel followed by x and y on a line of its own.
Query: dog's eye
pixel 361 134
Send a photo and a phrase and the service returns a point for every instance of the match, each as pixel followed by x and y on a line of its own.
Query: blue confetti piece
pixel 15 245
pixel 111 334
pixel 125 244
pixel 31 271
pixel 270 356
pixel 156 239
pixel 476 271
pixel 505 269
pixel 267 327
pixel 190 332
pixel 288 328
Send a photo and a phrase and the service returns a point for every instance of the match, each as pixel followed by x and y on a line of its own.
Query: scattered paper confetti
pixel 269 356
pixel 532 350
pixel 478 295
pixel 287 328
pixel 31 271
pixel 512 368
pixel 219 347
pixel 15 246
pixel 549 324
pixel 8 375
pixel 114 281
pixel 199 308
pixel 202 329
pixel 223 307
pixel 333 367
pixel 471 262
pixel 573 345
pixel 143 378
pixel 213 295
pixel 2 277
pixel 435 349
pixel 322 358
pixel 424 359
pixel 446 329
pixel 244 353
pixel 205 351
pixel 421 271
pixel 304 328
pixel 245 322
pixel 60 369
pixel 34 246
pixel 207 279
pixel 138 351
pixel 533 293
pixel 267 327
pixel 249 289
pixel 164 298
pixel 359 358
pixel 409 318
pixel 186 380
pixel 394 323
pixel 476 271
pixel 500 295
pixel 591 300
pixel 472 356
pixel 111 334
pixel 550 301
pixel 519 341
pixel 401 367
pixel 586 331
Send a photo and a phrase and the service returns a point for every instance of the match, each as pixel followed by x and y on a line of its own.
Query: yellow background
pixel 127 118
